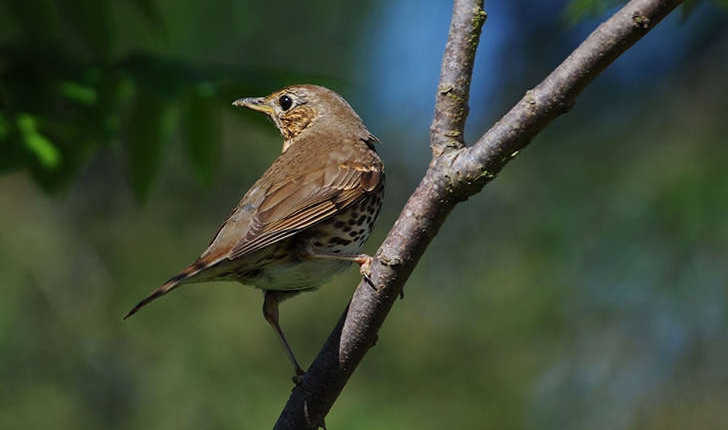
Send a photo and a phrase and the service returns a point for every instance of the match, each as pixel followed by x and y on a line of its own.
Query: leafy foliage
pixel 63 97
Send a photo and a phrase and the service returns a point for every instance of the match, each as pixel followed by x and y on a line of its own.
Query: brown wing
pixel 303 201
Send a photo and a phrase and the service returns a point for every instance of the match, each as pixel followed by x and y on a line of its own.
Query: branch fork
pixel 456 172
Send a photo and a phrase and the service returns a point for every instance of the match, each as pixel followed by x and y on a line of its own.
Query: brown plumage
pixel 308 215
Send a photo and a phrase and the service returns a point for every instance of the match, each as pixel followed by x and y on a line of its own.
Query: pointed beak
pixel 255 103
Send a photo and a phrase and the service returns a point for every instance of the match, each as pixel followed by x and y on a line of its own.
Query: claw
pixel 365 268
pixel 367 277
pixel 370 282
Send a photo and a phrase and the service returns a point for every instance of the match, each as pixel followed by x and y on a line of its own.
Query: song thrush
pixel 309 214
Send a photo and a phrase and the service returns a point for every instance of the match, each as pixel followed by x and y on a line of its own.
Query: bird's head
pixel 298 108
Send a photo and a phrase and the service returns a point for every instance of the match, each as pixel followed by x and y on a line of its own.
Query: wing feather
pixel 300 203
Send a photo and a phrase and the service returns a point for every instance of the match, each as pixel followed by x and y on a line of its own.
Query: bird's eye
pixel 285 102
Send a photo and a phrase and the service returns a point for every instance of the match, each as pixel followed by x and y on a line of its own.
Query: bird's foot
pixel 365 268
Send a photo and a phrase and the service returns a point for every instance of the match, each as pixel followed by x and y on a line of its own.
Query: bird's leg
pixel 270 312
pixel 363 260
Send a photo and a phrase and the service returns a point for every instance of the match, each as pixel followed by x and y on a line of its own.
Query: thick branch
pixel 451 104
pixel 453 176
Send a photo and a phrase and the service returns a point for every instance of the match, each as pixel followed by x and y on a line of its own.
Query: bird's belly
pixel 304 274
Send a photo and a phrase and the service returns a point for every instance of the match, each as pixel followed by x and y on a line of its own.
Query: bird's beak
pixel 255 103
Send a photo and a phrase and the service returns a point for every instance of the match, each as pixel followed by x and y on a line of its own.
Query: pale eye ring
pixel 286 102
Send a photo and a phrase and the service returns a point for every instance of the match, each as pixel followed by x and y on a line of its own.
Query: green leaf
pixel 200 124
pixel 45 152
pixel 78 93
pixel 149 128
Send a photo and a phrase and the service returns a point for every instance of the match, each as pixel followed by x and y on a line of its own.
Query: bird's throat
pixel 295 121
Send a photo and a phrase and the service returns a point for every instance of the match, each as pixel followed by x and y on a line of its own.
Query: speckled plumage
pixel 309 214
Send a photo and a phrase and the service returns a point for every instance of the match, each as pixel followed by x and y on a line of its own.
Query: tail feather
pixel 174 282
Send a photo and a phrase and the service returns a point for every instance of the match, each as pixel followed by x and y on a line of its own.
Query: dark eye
pixel 285 102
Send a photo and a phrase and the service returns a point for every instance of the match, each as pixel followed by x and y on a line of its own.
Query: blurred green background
pixel 584 288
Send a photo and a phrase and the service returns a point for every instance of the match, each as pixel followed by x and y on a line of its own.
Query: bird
pixel 308 215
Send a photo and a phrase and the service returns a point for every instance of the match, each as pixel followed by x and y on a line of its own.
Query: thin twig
pixel 453 90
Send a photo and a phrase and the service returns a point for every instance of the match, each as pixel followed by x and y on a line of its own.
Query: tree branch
pixel 451 103
pixel 556 94
pixel 455 174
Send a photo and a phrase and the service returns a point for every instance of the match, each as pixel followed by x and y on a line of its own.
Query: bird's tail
pixel 174 282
